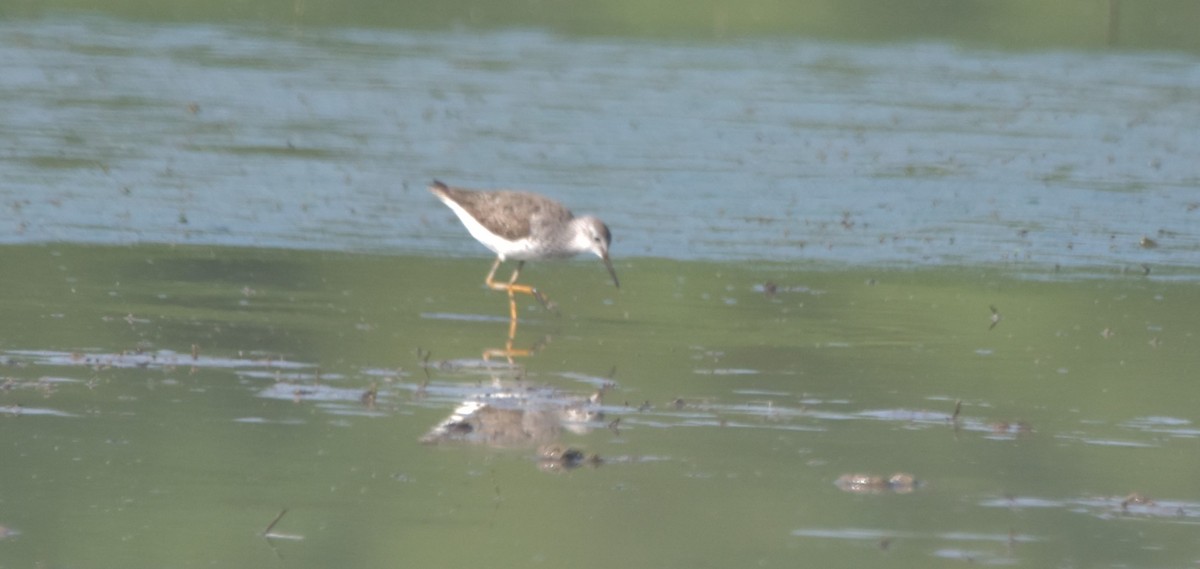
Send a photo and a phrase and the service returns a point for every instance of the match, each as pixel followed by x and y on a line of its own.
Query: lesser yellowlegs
pixel 524 226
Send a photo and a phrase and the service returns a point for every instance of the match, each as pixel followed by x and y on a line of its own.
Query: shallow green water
pixel 1019 24
pixel 226 294
pixel 738 411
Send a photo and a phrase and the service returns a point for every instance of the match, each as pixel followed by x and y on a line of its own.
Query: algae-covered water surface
pixel 903 302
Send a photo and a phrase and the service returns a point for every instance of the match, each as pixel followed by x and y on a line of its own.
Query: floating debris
pixel 898 483
pixel 270 534
pixel 1137 499
pixel 369 396
pixel 559 458
pixel 1010 428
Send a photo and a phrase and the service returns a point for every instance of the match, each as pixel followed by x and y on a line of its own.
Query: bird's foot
pixel 545 300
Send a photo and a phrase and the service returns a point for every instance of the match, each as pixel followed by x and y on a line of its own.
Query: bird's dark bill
pixel 611 270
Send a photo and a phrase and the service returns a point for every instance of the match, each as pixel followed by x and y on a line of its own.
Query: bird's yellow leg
pixel 507 287
pixel 511 287
pixel 491 275
pixel 527 289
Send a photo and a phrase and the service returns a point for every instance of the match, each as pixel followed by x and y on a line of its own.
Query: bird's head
pixel 596 238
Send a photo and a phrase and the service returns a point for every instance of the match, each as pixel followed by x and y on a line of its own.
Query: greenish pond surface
pixel 161 405
pixel 1021 24
pixel 225 293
